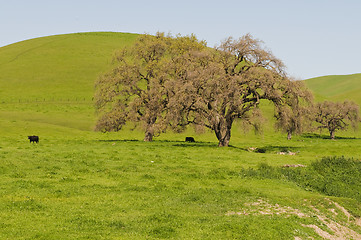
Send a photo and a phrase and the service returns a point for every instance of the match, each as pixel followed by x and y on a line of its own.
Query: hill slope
pixel 59 71
pixel 47 83
pixel 337 87
pixel 64 67
pixel 61 66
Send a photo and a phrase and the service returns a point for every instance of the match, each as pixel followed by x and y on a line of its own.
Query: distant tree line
pixel 166 82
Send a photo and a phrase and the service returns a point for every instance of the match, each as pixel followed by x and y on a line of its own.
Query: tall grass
pixel 331 176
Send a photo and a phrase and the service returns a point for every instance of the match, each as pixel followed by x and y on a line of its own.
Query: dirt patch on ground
pixel 293 165
pixel 340 230
pixel 262 207
pixel 332 230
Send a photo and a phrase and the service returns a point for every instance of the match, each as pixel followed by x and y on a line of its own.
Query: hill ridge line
pixel 29 50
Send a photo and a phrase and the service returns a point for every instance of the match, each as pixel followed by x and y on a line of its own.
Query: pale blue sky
pixel 312 37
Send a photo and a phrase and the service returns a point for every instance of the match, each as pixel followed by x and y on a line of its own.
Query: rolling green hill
pixel 337 87
pixel 50 80
pixel 81 184
pixel 57 67
pixel 59 71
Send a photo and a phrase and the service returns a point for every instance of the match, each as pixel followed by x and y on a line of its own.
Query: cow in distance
pixel 33 139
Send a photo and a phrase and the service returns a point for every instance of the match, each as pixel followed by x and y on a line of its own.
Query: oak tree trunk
pixel 149 133
pixel 148 137
pixel 332 134
pixel 223 133
pixel 289 136
pixel 224 142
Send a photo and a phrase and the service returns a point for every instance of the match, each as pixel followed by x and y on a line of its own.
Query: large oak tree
pixel 162 81
pixel 217 86
pixel 136 89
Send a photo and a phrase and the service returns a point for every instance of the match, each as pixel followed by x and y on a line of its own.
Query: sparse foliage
pixel 137 88
pixel 294 116
pixel 216 87
pixel 164 81
pixel 134 90
pixel 335 116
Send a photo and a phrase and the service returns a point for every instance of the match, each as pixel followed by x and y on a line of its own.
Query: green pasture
pixel 80 184
pixel 77 184
pixel 336 87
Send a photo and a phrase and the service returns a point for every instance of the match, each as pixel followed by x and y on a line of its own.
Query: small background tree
pixel 294 116
pixel 335 116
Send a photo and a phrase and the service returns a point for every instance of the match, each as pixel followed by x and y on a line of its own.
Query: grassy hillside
pixel 50 80
pixel 57 67
pixel 337 88
pixel 80 184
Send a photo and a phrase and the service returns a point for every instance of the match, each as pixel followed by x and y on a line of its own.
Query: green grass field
pixel 58 67
pixel 337 87
pixel 81 184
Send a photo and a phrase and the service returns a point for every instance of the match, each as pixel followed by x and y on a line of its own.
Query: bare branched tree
pixel 216 87
pixel 137 90
pixel 335 116
pixel 162 81
pixel 294 116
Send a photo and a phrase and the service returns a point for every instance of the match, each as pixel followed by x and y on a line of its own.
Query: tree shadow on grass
pixel 197 144
pixel 265 149
pixel 175 143
pixel 118 140
pixel 277 149
pixel 214 145
pixel 322 136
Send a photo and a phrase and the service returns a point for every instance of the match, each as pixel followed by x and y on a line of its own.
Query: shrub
pixel 333 176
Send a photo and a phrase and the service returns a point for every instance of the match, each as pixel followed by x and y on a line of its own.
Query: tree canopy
pixel 164 81
pixel 335 116
pixel 136 89
pixel 294 116
pixel 217 86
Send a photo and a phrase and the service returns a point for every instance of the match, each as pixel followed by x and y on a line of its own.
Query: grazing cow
pixel 190 139
pixel 33 139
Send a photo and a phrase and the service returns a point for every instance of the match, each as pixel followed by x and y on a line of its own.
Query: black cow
pixel 33 139
pixel 190 139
